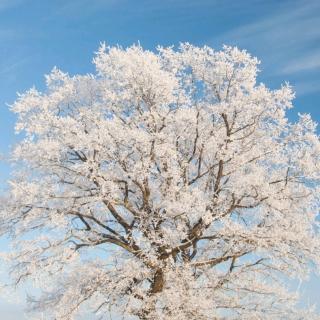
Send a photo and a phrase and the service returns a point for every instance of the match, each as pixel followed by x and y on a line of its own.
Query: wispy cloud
pixel 289 31
pixel 82 8
pixel 308 62
pixel 304 87
pixel 6 4
pixel 11 65
pixel 287 41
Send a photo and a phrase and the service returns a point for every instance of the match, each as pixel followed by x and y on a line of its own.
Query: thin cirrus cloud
pixel 11 65
pixel 6 4
pixel 303 87
pixel 306 63
pixel 287 41
pixel 84 8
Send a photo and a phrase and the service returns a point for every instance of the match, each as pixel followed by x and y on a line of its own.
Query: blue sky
pixel 36 35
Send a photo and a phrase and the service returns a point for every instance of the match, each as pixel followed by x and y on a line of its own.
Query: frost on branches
pixel 168 186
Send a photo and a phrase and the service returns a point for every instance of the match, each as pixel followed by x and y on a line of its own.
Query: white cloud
pixel 306 87
pixel 284 37
pixel 6 4
pixel 82 8
pixel 308 62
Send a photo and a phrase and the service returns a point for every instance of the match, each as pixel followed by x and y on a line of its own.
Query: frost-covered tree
pixel 168 185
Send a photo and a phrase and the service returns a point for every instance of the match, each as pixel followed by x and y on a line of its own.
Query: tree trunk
pixel 158 282
pixel 156 287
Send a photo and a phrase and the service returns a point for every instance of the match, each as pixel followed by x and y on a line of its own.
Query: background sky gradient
pixel 36 35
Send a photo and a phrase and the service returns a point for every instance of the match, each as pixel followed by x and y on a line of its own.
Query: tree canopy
pixel 167 185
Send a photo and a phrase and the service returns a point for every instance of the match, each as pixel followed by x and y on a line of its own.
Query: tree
pixel 168 185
